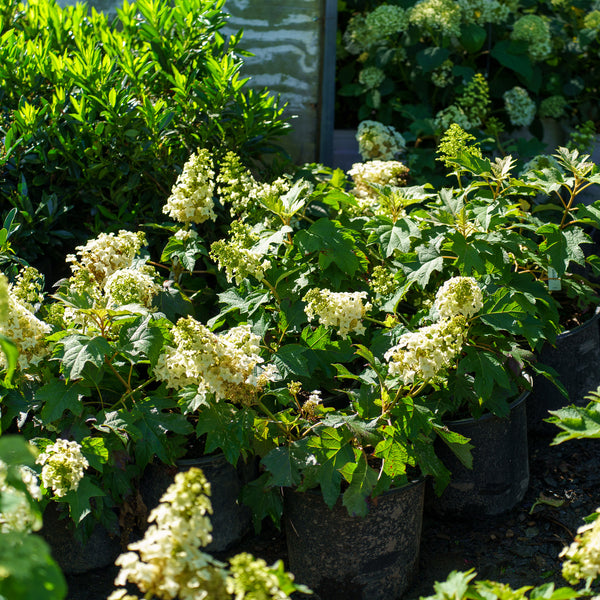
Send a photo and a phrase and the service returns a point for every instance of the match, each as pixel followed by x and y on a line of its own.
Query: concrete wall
pixel 291 58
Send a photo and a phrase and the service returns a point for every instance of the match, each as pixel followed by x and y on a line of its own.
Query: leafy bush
pixel 98 116
pixel 492 67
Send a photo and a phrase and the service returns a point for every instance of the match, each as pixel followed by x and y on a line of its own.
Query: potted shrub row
pixel 356 321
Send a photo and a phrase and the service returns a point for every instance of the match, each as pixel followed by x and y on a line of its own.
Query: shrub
pixel 98 116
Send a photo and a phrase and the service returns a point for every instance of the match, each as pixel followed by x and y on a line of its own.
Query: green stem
pixel 271 416
pixel 116 373
pixel 272 290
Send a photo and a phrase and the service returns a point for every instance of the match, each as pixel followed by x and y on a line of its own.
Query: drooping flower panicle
pixel 191 199
pixel 227 365
pixel 458 296
pixel 342 310
pixel 63 466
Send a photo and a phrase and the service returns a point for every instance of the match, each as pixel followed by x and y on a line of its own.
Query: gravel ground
pixel 520 547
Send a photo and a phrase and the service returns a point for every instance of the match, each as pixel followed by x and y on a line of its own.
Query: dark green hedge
pixel 99 116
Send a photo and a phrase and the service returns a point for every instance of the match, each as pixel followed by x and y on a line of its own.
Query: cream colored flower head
pixel 237 256
pixel 105 254
pixel 168 561
pixel 18 516
pixel 391 173
pixel 342 310
pixel 583 555
pixel 377 141
pixel 63 466
pixel 421 355
pixel 458 296
pixel 191 199
pixel 27 332
pixel 131 286
pixel 227 364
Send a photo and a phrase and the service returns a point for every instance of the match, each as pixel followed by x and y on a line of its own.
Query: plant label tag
pixel 554 284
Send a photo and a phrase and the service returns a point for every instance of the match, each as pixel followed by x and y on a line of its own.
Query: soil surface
pixel 520 547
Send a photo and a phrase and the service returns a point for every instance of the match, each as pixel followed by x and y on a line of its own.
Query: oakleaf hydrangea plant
pixel 168 562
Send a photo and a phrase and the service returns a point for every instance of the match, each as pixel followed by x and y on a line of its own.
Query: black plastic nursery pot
pixel 340 557
pixel 231 520
pixel 576 359
pixel 100 549
pixel 500 474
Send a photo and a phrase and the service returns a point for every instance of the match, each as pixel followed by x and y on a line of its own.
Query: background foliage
pixel 98 117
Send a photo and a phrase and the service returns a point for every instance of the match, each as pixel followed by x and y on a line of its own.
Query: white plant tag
pixel 554 284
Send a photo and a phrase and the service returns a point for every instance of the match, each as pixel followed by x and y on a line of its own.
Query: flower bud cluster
pixel 63 466
pixel 226 365
pixel 252 578
pixel 387 20
pixel 458 296
pixel 381 172
pixel 236 184
pixel 533 30
pixel 452 115
pixel 382 281
pixel 191 199
pixel 237 256
pixel 365 32
pixel 442 76
pixel 583 555
pixel 519 106
pixel 475 100
pixel 553 107
pixel 422 354
pixel 343 310
pixel 377 141
pixel 592 20
pixel 310 406
pixel 454 141
pixel 26 331
pixel 18 515
pixel 107 253
pixel 371 77
pixel 437 15
pixel 28 288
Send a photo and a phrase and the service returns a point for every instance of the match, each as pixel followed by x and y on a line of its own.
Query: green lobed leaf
pixel 264 499
pixel 96 452
pixel 57 396
pixel 141 340
pixel 154 419
pixel 290 360
pixel 226 428
pixel 283 466
pixel 362 479
pixel 333 451
pixel 75 352
pixel 79 499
